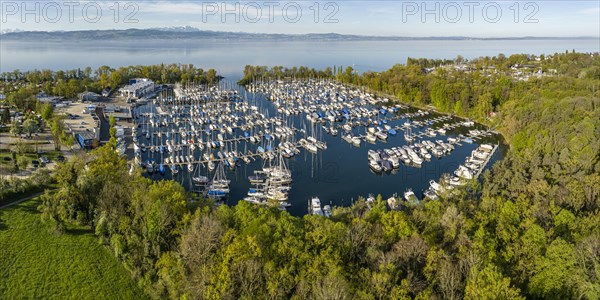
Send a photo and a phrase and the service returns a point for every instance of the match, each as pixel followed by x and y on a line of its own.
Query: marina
pixel 280 143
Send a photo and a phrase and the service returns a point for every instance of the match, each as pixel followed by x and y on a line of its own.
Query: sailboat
pixel 198 179
pixel 408 136
pixel 218 188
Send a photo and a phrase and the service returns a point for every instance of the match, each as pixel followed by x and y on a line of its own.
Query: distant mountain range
pixel 191 33
pixel 4 31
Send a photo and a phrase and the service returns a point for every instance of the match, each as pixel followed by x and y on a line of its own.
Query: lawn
pixel 37 263
pixel 6 156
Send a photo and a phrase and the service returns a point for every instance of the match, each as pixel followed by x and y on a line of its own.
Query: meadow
pixel 35 262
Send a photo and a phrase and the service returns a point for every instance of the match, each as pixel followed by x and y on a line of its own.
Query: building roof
pixel 86 135
pixel 138 83
pixel 48 99
pixel 89 96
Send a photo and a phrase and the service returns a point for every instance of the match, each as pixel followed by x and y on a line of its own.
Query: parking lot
pixel 78 117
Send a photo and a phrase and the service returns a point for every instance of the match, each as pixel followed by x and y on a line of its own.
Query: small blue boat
pixel 216 193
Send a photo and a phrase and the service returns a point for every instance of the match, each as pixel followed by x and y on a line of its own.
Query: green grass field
pixel 37 263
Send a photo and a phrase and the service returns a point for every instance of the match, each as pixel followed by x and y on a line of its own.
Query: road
pixel 104 126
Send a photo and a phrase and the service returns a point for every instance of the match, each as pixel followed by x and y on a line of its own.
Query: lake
pixel 230 57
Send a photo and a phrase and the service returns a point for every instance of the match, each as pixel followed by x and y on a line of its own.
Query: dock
pixel 486 161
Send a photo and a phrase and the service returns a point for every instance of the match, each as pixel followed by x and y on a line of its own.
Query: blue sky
pixel 398 18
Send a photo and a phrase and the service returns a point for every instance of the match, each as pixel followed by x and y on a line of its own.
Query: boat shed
pixel 86 140
pixel 89 96
pixel 121 113
pixel 138 88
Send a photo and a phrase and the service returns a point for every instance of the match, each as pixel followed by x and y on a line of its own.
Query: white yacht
pixel 315 207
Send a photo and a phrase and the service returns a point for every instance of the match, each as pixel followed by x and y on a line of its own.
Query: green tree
pixel 116 78
pixel 46 111
pixel 211 76
pixel 484 106
pixel 73 88
pixel 52 211
pixel 57 131
pixel 87 72
pixel 490 284
pixel 30 126
pixel 199 243
pixel 15 128
pixel 556 272
pixel 103 80
pixel 22 162
pixel 331 286
pixel 5 117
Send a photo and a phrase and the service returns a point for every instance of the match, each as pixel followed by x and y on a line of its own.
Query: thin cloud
pixel 252 10
pixel 590 11
pixel 171 7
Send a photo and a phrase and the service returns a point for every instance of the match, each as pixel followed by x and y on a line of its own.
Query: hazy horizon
pixel 477 19
pixel 195 29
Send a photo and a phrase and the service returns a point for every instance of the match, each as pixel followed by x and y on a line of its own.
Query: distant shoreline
pixel 157 34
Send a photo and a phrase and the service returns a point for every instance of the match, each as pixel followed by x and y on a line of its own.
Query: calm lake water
pixel 229 58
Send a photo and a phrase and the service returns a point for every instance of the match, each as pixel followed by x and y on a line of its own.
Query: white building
pixel 137 88
pixel 89 96
pixel 42 97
